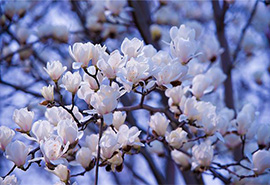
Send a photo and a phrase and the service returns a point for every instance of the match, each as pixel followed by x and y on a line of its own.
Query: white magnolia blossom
pixel 201 85
pixel 111 66
pixel 42 129
pixel 23 118
pixel 261 161
pixel 183 45
pixel 263 136
pixel 9 180
pixel 175 96
pixel 48 92
pixel 131 48
pixel 60 171
pixel 6 135
pixel 202 155
pixel 68 130
pixel 55 69
pixel 118 119
pixel 211 48
pixel 81 53
pixel 128 136
pixel 53 149
pixel 91 142
pixel 135 71
pixel 159 123
pixel 105 100
pixel 181 159
pixel 170 73
pixel 188 108
pixel 245 118
pixel 207 117
pixel 108 143
pixel 84 157
pixel 98 52
pixel 17 152
pixel 176 138
pixel 224 119
pixel 116 160
pixel 71 82
pixel 216 75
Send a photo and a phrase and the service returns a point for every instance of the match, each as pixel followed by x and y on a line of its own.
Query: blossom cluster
pixel 192 127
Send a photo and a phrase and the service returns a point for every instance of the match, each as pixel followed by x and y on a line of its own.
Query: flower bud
pixel 55 70
pixel 23 118
pixel 201 84
pixel 261 161
pixel 17 152
pixel 6 135
pixel 68 131
pixel 42 129
pixel 81 53
pixel 159 123
pixel 202 155
pixel 263 136
pixel 47 92
pixel 176 138
pixel 84 157
pixel 181 159
pixel 116 160
pixel 61 171
pixel 118 119
pixel 72 82
pixel 92 143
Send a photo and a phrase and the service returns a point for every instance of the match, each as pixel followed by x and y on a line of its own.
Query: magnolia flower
pixel 17 152
pixel 108 143
pixel 68 130
pixel 42 129
pixel 47 92
pixel 81 53
pixel 92 143
pixel 128 136
pixel 181 159
pixel 263 136
pixel 55 70
pixel 201 85
pixel 211 47
pixel 98 52
pixel 183 46
pixel 6 135
pixel 116 160
pixel 261 161
pixel 84 157
pixel 60 171
pixel 9 180
pixel 169 73
pixel 131 48
pixel 105 101
pixel 224 119
pixel 52 148
pixel 111 67
pixel 71 82
pixel 118 119
pixel 207 117
pixel 155 147
pixel 85 93
pixel 216 75
pixel 188 108
pixel 202 155
pixel 23 118
pixel 245 118
pixel 159 123
pixel 135 71
pixel 176 138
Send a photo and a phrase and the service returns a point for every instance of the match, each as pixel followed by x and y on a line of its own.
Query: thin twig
pixel 98 153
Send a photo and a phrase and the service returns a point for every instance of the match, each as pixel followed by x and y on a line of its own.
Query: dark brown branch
pixel 98 153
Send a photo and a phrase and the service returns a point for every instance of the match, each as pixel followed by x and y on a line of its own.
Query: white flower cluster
pixel 190 127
